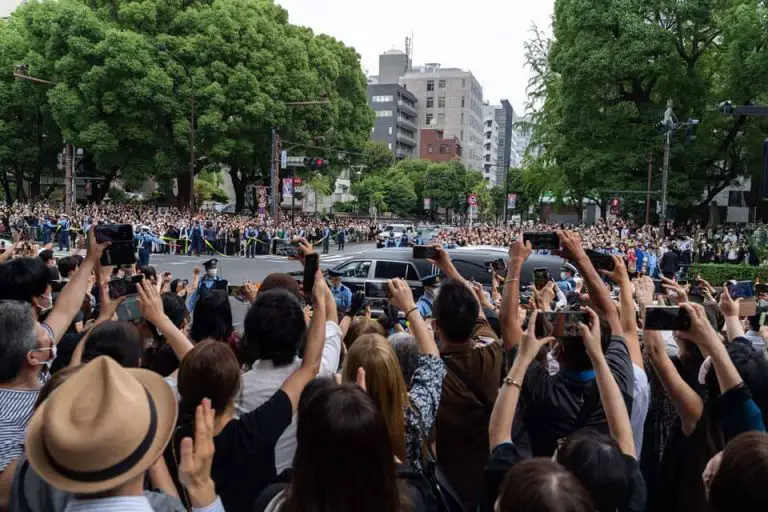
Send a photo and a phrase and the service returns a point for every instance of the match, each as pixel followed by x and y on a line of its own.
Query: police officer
pixel 326 239
pixel 341 294
pixel 251 240
pixel 146 238
pixel 63 227
pixel 424 304
pixel 210 281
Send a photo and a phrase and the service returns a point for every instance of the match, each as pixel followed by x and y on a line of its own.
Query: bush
pixel 717 274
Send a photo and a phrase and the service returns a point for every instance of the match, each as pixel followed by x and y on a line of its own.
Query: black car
pixel 471 262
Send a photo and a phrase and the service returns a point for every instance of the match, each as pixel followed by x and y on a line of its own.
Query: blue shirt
pixel 205 283
pixel 424 306
pixel 147 239
pixel 343 296
pixel 63 225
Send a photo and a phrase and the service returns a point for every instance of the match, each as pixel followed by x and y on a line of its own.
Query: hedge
pixel 717 274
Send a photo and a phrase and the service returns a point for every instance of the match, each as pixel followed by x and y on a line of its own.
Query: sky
pixel 484 36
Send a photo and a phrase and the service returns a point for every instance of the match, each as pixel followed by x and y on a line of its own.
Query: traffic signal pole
pixel 274 176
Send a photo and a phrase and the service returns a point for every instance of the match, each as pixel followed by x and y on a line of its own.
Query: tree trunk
pixel 183 184
pixel 19 178
pixel 105 185
pixel 6 186
pixel 239 185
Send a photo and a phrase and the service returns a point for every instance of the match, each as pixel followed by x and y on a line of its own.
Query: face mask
pixel 48 300
pixel 212 272
pixel 563 276
pixel 50 360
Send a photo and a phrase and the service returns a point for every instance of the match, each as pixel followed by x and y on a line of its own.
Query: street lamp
pixel 192 118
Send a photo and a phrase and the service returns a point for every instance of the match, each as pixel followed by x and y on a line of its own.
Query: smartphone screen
pixel 127 286
pixel 542 241
pixel 666 318
pixel 122 251
pixel 560 324
pixel 128 310
pixel 424 252
pixel 601 261
pixel 540 278
pixel 235 290
pixel 375 290
pixel 742 290
pixel 658 288
pixel 287 248
pixel 747 308
pixel 114 233
pixel 311 264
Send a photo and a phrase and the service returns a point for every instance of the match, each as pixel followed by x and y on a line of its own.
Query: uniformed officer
pixel 63 227
pixel 326 239
pixel 210 281
pixel 424 304
pixel 146 238
pixel 341 294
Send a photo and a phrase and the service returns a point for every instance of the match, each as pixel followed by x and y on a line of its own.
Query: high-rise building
pixel 490 145
pixel 505 119
pixel 451 100
pixel 396 123
pixel 392 65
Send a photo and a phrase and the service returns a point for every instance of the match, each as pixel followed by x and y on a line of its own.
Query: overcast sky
pixel 484 36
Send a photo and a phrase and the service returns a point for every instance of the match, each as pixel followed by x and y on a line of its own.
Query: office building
pixel 392 65
pixel 395 123
pixel 450 100
pixel 435 146
pixel 505 120
pixel 490 145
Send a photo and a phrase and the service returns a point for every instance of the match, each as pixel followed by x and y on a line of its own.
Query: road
pixel 236 270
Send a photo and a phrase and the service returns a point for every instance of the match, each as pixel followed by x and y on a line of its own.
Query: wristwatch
pixel 509 381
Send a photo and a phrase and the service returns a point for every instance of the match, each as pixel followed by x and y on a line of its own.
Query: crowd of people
pixel 477 402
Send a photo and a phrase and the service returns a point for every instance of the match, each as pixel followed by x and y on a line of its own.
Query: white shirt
pixel 127 504
pixel 264 379
pixel 641 399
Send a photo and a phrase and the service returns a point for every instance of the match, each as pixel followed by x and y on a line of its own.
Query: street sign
pixel 284 159
pixel 472 199
pixel 511 201
pixel 294 161
pixel 297 181
pixel 427 203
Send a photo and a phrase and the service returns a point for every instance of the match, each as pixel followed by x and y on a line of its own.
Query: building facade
pixel 490 146
pixel 505 119
pixel 450 100
pixel 435 146
pixel 396 123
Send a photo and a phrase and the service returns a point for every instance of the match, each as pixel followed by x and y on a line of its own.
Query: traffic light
pixel 315 164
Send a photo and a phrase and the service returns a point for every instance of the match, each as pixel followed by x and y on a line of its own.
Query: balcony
pixel 405 123
pixel 411 111
pixel 401 153
pixel 406 139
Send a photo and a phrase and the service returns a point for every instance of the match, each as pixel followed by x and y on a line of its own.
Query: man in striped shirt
pixel 27 346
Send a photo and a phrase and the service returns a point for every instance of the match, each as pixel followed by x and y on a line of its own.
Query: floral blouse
pixel 426 386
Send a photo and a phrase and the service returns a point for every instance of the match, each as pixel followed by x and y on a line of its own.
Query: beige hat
pixel 101 428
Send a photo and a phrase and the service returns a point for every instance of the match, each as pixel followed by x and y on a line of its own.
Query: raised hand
pixel 530 345
pixel 401 295
pixel 197 458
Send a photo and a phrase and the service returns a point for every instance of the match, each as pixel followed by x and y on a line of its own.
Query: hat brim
pixel 167 410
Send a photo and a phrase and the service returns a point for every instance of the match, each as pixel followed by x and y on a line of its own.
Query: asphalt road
pixel 236 270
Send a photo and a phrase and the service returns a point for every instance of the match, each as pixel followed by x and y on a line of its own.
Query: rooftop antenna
pixel 408 52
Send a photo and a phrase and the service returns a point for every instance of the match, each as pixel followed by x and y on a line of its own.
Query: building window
pixel 440 118
pixel 462 102
pixel 430 102
pixel 382 99
pixel 488 136
pixel 444 149
pixel 441 102
pixel 487 147
pixel 462 136
pixel 390 130
pixel 383 113
pixel 736 198
pixel 373 129
pixel 390 145
pixel 441 84
pixel 428 120
pixel 487 158
pixel 463 82
pixel 430 85
pixel 462 118
pixel 429 148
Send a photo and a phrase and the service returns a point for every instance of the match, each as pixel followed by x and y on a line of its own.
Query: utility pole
pixel 192 135
pixel 665 180
pixel 274 177
pixel 648 196
pixel 69 172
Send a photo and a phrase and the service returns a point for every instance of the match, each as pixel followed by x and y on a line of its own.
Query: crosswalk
pixel 177 260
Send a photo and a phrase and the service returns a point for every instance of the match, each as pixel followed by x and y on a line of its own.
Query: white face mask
pixel 49 300
pixel 211 272
pixel 563 276
pixel 50 360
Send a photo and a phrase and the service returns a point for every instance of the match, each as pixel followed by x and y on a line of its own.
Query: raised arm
pixel 628 318
pixel 610 396
pixel 503 415
pixel 511 330
pixel 151 307
pixel 71 297
pixel 313 349
pixel 687 402
pixel 573 250
pixel 730 309
pixel 444 263
pixel 402 298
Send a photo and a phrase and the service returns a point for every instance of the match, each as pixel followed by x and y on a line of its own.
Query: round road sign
pixel 472 200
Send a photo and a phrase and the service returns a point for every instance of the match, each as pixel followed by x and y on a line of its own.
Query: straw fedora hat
pixel 101 428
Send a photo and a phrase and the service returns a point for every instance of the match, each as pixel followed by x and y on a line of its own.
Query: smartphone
pixel 374 290
pixel 287 248
pixel 683 282
pixel 747 308
pixel 601 261
pixel 542 241
pixel 126 286
pixel 540 278
pixel 128 310
pixel 761 289
pixel 311 264
pixel 763 318
pixel 235 291
pixel 741 290
pixel 123 250
pixel 658 287
pixel 563 324
pixel 666 318
pixel 424 252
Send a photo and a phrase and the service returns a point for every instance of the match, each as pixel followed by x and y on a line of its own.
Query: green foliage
pixel 344 206
pixel 601 84
pixel 717 274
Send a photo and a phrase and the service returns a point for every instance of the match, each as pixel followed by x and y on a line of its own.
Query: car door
pixel 355 274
